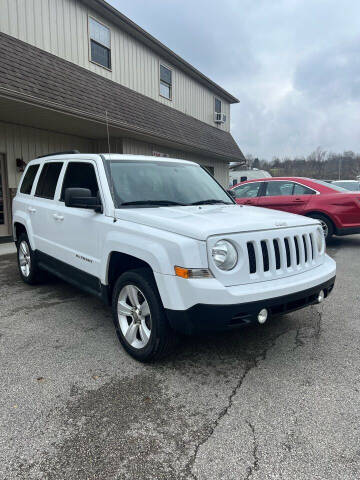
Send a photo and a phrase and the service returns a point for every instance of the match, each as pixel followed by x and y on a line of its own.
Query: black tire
pixel 162 338
pixel 35 275
pixel 326 223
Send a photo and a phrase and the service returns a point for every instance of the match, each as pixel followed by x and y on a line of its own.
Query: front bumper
pixel 203 317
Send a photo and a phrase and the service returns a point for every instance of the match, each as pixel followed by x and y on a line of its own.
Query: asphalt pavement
pixel 279 401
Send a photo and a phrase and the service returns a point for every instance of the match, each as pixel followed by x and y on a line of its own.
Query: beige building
pixel 67 66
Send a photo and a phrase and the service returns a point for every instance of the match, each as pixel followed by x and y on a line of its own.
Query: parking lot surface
pixel 279 401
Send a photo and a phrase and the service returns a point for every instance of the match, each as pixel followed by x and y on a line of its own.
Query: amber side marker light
pixel 192 272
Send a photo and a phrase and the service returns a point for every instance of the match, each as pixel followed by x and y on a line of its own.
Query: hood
pixel 201 222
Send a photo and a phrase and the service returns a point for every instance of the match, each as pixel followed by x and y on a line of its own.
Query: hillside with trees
pixel 319 164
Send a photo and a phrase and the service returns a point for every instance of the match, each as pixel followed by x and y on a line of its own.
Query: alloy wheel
pixel 325 228
pixel 134 316
pixel 24 258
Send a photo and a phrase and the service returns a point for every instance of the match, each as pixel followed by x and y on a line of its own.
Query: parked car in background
pixel 337 209
pixel 352 185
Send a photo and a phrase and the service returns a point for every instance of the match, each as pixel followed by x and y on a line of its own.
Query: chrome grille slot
pixel 297 251
pixel 265 255
pixel 288 255
pixel 277 254
pixel 252 257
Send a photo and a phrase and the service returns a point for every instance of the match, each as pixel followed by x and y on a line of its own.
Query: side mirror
pixel 81 198
pixel 232 194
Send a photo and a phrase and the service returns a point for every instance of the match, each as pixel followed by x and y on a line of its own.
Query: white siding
pixel 221 168
pixel 27 143
pixel 61 27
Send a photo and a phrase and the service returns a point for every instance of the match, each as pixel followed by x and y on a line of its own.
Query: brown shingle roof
pixel 27 71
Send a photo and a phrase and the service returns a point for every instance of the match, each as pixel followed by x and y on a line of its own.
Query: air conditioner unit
pixel 219 117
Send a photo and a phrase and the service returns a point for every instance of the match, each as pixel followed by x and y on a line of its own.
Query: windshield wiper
pixel 156 203
pixel 210 201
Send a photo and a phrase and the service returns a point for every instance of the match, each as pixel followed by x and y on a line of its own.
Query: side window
pixel 279 188
pixel 302 190
pixel 29 178
pixel 80 175
pixel 48 180
pixel 249 190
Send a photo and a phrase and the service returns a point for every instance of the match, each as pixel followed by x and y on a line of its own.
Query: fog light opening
pixel 263 316
pixel 321 296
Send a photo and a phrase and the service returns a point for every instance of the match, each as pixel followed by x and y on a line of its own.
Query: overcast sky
pixel 294 65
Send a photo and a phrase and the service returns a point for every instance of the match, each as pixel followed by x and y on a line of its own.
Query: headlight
pixel 224 255
pixel 320 239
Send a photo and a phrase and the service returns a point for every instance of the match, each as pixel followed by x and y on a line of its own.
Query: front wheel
pixel 139 316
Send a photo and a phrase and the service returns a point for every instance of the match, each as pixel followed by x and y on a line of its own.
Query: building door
pixel 4 216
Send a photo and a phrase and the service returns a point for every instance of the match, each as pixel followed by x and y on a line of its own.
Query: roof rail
pixel 66 152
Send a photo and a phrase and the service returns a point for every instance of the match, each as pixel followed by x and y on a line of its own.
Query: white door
pixel 75 232
pixel 4 217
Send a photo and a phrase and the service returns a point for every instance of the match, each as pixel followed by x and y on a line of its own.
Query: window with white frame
pixel 100 43
pixel 217 105
pixel 165 82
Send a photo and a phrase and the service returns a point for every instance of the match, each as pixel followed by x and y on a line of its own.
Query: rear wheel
pixel 139 316
pixel 28 268
pixel 326 224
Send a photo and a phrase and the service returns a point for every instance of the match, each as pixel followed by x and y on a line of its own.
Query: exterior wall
pixel 221 168
pixel 61 28
pixel 27 143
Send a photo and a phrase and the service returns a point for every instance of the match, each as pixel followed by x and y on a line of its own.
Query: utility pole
pixel 340 158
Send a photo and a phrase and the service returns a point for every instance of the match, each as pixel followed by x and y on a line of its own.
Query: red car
pixel 337 209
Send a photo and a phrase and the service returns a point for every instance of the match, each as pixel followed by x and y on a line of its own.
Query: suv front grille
pixel 272 255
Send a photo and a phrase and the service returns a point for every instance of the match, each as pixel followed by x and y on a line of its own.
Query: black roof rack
pixel 66 152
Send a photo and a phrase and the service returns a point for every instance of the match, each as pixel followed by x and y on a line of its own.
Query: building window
pixel 217 105
pixel 165 82
pixel 100 43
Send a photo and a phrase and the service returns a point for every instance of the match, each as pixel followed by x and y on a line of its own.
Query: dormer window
pixel 100 43
pixel 165 82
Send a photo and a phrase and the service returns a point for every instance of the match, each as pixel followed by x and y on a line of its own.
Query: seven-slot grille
pixel 276 255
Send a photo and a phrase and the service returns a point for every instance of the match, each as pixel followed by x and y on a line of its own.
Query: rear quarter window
pixel 29 178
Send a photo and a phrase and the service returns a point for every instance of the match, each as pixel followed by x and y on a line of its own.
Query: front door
pixel 4 216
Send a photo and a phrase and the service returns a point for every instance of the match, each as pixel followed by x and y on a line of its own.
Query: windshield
pixel 331 186
pixel 353 186
pixel 162 183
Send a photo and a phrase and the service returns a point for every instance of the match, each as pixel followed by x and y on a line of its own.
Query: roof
pixel 105 9
pixel 108 156
pixel 45 80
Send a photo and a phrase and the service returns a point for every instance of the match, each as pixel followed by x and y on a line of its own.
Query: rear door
pixel 41 206
pixel 285 195
pixel 248 193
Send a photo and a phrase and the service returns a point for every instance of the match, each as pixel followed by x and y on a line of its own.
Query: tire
pixel 326 224
pixel 28 268
pixel 145 333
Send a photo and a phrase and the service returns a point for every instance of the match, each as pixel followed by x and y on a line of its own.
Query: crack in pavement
pixel 255 466
pixel 252 363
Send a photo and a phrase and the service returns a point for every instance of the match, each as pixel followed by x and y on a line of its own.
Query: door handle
pixel 58 218
pixel 298 200
pixel 31 210
pixel 248 202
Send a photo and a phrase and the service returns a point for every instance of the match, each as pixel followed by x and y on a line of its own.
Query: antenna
pixel 111 181
pixel 107 129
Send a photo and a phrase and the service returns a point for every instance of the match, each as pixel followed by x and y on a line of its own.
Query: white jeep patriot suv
pixel 161 241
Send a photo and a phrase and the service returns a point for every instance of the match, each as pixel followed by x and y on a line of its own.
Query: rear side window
pixel 29 178
pixel 302 190
pixel 279 188
pixel 48 180
pixel 80 175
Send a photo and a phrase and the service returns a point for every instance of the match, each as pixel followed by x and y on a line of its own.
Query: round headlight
pixel 224 255
pixel 320 239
